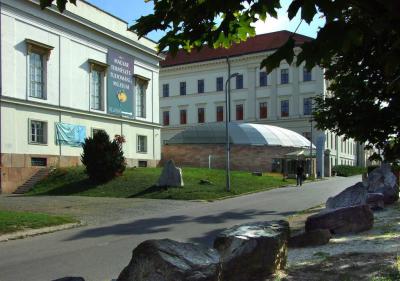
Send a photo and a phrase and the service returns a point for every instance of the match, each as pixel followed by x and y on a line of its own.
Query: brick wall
pixel 243 157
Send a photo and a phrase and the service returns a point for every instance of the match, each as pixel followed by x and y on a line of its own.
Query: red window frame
pixel 239 112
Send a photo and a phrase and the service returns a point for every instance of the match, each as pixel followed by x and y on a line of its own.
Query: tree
pixel 103 159
pixel 355 31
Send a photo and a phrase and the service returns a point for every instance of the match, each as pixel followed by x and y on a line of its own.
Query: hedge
pixel 347 171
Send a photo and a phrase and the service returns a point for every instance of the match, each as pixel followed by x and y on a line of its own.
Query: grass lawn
pixel 12 221
pixel 139 182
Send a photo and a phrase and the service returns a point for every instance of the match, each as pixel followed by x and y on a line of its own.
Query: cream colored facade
pixel 76 40
pixel 296 91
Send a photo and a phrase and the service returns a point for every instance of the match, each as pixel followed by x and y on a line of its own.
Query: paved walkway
pixel 100 252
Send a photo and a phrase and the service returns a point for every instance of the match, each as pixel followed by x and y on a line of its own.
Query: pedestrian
pixel 299 175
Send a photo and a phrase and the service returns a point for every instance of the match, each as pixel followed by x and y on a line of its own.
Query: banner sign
pixel 120 84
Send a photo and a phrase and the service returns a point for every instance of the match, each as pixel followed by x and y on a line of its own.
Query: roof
pixel 256 44
pixel 240 133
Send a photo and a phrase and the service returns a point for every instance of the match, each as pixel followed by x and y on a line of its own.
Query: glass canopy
pixel 240 133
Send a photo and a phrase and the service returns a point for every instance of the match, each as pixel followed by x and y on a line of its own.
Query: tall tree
pixel 359 46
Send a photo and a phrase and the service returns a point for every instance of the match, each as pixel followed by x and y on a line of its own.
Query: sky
pixel 130 10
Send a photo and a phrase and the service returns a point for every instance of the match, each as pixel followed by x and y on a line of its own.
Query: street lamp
pixel 227 119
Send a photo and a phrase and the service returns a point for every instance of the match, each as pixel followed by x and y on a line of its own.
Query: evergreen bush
pixel 347 171
pixel 103 158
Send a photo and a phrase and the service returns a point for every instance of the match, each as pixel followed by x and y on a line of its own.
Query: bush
pixel 347 171
pixel 103 159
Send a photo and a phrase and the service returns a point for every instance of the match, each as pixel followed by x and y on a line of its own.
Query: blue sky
pixel 130 10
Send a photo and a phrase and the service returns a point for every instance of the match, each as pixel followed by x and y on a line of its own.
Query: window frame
pixel 307 75
pixel 201 115
pixel 218 113
pixel 307 106
pixel 181 111
pixel 263 79
pixel 182 88
pixel 261 115
pixel 219 84
pixel 141 86
pixel 239 114
pixel 283 113
pixel 164 115
pixel 138 144
pixel 200 86
pixel 165 90
pixel 285 78
pixel 239 82
pixel 101 68
pixel 44 130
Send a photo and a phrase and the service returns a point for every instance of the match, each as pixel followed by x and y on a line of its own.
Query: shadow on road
pixel 164 224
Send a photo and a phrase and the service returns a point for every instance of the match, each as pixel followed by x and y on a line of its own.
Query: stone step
pixel 30 183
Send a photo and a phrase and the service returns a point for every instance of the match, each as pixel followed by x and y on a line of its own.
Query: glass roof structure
pixel 240 133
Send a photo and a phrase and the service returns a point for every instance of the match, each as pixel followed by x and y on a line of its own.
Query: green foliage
pixel 11 221
pixel 347 171
pixel 103 159
pixel 139 182
pixel 359 46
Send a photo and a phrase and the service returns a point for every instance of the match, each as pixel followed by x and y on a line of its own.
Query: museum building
pixel 66 76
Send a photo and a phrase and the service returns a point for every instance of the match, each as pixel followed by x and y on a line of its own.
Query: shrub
pixel 347 171
pixel 103 159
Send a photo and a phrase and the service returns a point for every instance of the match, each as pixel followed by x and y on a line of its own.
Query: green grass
pixel 12 221
pixel 139 182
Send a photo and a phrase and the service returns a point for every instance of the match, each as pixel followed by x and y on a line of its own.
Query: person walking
pixel 299 175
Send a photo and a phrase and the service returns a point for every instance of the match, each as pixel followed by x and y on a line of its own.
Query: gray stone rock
pixel 171 175
pixel 382 180
pixel 351 196
pixel 70 279
pixel 168 260
pixel 343 220
pixel 312 238
pixel 253 251
pixel 376 201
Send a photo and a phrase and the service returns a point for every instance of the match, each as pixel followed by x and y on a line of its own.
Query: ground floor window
pixel 142 144
pixel 38 132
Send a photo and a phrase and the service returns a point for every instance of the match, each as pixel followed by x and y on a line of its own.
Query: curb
pixel 35 232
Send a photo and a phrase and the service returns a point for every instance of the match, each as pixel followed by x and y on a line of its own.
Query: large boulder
pixel 376 201
pixel 171 175
pixel 312 238
pixel 343 220
pixel 253 251
pixel 352 196
pixel 382 180
pixel 168 260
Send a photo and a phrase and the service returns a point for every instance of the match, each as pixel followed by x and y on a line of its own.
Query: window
pixel 142 144
pixel 239 81
pixel 182 89
pixel 165 90
pixel 239 112
pixel 142 164
pixel 183 118
pixel 166 118
pixel 141 86
pixel 36 75
pixel 200 86
pixel 284 76
pixel 38 162
pixel 97 73
pixel 200 115
pixel 306 74
pixel 38 54
pixel 220 113
pixel 284 108
pixel 263 79
pixel 263 110
pixel 96 90
pixel 220 84
pixel 307 106
pixel 38 132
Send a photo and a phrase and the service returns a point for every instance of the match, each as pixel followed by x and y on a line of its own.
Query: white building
pixel 192 91
pixel 81 71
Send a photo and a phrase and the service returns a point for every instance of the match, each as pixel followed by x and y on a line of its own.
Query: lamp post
pixel 227 119
pixel 311 144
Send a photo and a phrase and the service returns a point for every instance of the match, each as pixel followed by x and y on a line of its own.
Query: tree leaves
pixel 61 4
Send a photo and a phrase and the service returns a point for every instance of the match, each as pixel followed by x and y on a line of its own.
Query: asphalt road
pixel 99 253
